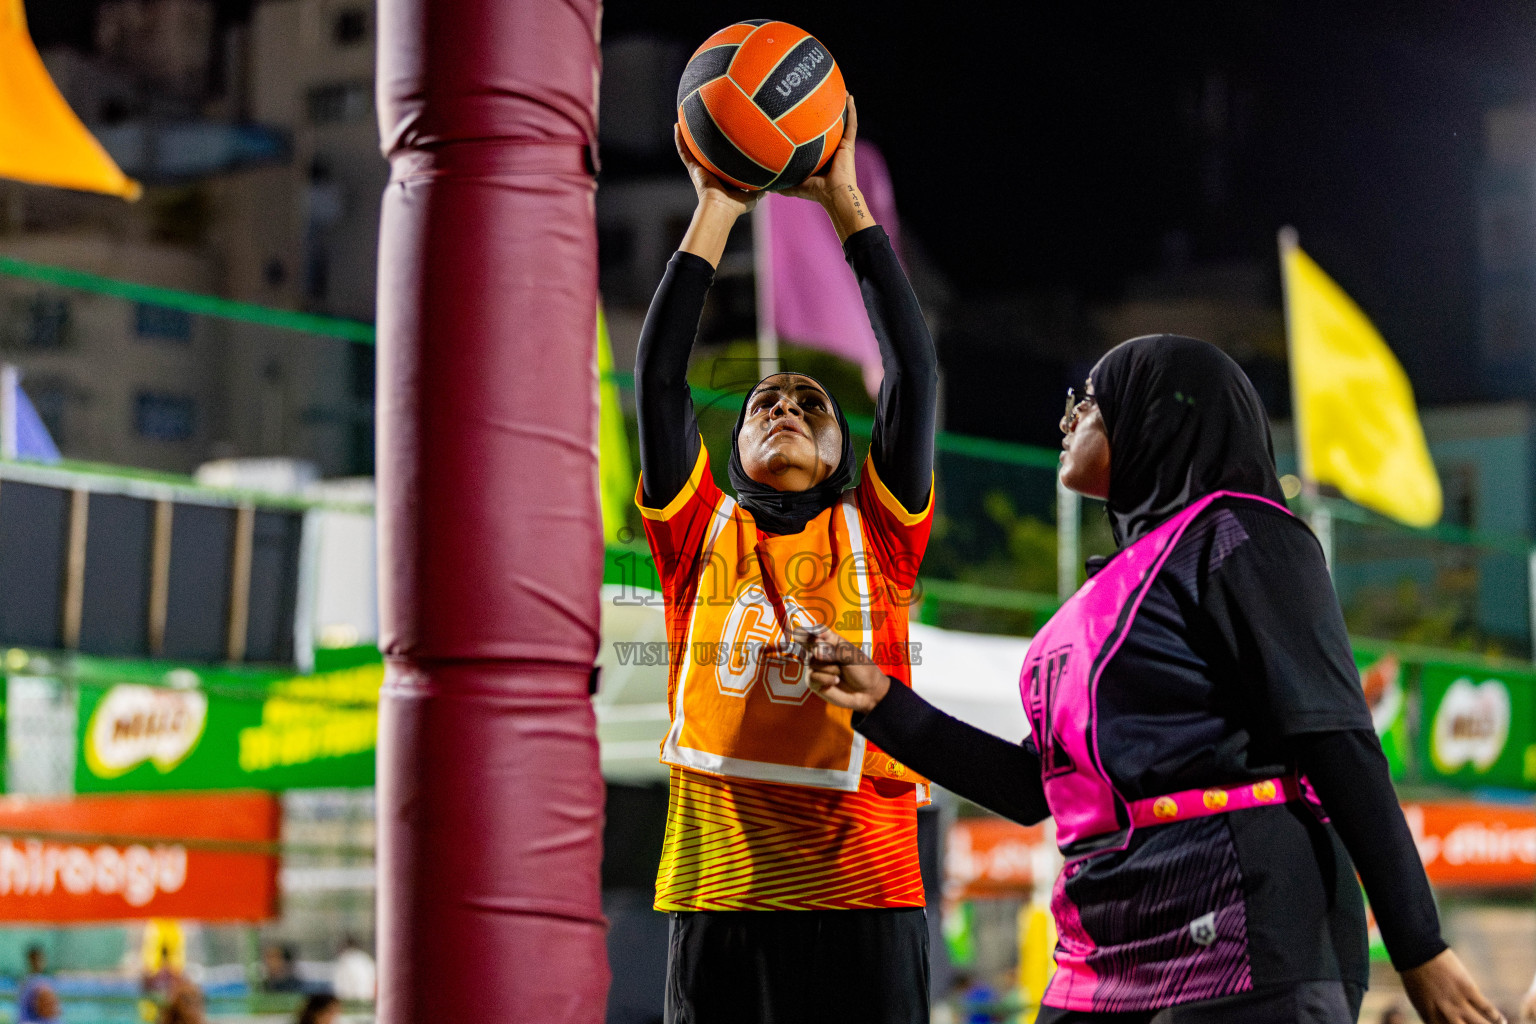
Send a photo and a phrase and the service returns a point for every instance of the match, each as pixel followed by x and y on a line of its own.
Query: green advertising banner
pixel 145 727
pixel 1383 677
pixel 1477 727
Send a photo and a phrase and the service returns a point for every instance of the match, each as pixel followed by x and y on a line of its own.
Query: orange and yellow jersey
pixel 776 802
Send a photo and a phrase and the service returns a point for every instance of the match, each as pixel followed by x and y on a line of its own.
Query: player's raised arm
pixel 907 411
pixel 669 434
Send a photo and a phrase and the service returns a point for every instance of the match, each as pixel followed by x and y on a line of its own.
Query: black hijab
pixel 783 512
pixel 1183 421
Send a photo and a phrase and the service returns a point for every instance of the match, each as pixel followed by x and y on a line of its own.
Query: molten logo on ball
pixel 760 105
pixel 802 72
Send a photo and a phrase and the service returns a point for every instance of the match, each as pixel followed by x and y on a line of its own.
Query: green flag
pixel 616 477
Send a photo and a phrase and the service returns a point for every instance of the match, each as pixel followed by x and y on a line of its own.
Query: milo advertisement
pixel 144 727
pixel 1382 677
pixel 1477 727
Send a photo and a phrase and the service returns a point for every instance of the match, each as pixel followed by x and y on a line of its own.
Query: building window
pixel 1458 484
pixel 1507 241
pixel 41 321
pixel 274 273
pixel 163 417
pixel 161 323
pixel 341 102
pixel 350 26
pixel 1507 324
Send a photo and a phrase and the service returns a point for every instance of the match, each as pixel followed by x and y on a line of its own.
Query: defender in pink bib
pixel 1175 704
pixel 1066 659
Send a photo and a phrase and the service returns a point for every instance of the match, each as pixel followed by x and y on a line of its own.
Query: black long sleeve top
pixel 1246 595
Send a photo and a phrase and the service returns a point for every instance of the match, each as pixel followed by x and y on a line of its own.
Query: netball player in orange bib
pixel 789 865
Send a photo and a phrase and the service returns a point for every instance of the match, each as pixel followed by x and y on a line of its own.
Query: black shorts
pixel 798 967
pixel 1309 1002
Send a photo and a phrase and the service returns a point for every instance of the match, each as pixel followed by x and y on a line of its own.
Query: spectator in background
pixel 278 974
pixel 185 1005
pixel 356 976
pixel 162 981
pixel 1393 1015
pixel 320 1009
pixel 45 1004
pixel 36 978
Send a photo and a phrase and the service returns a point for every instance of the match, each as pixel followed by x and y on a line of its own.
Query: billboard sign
pixel 1386 693
pixel 145 729
pixel 989 858
pixel 118 858
pixel 1466 845
pixel 1477 727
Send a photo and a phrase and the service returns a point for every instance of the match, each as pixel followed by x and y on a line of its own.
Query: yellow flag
pixel 616 478
pixel 41 139
pixel 1037 940
pixel 1356 424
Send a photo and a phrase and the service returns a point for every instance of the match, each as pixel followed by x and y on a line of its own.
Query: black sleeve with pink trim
pixel 1275 625
pixel 1001 776
pixel 1271 621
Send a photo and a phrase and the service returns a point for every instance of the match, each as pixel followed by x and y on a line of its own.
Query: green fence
pixel 163 378
pixel 992 561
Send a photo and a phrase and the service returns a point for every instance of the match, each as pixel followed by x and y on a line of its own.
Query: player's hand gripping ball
pixel 761 105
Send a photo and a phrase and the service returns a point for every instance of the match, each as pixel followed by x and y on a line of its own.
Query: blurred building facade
pixel 1470 588
pixel 304 233
pixel 167 45
pixel 1507 252
pixel 116 381
pixel 257 145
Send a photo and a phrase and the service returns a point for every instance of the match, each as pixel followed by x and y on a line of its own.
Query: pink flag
pixel 806 291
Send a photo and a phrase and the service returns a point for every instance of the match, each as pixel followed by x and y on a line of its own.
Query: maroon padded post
pixel 489 793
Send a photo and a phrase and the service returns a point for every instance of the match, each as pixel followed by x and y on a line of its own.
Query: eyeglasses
pixel 1069 418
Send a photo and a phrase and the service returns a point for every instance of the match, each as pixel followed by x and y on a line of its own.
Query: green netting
pixel 1467 594
pixel 188 302
pixel 991 563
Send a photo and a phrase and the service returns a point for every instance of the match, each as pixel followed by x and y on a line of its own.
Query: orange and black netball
pixel 761 105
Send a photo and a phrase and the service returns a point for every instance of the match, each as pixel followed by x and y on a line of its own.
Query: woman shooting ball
pixel 789 865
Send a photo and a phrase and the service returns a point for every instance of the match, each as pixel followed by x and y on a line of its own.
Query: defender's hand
pixel 841 674
pixel 1444 993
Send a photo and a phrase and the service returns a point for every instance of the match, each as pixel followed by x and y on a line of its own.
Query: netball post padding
pixel 489 794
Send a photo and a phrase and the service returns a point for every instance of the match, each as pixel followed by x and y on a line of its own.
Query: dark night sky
pixel 1053 147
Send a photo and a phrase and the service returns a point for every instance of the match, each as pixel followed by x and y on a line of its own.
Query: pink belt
pixel 1201 803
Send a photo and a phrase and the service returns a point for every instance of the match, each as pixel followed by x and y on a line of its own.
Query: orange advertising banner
pixel 1467 845
pixel 987 858
pixel 1463 845
pixel 206 857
